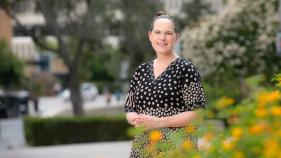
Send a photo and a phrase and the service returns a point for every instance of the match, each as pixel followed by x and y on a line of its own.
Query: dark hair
pixel 162 15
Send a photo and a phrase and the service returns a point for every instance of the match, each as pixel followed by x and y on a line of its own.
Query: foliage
pixel 133 28
pixel 135 24
pixel 79 28
pixel 66 130
pixel 41 84
pixel 11 68
pixel 277 79
pixel 98 70
pixel 254 129
pixel 240 40
pixel 191 13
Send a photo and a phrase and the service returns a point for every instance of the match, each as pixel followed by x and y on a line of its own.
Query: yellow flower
pixel 190 129
pixel 232 119
pixel 276 111
pixel 278 133
pixel 268 97
pixel 228 144
pixel 257 128
pixel 271 148
pixel 155 135
pixel 236 132
pixel 197 156
pixel 187 145
pixel 208 136
pixel 224 102
pixel 238 154
pixel 261 112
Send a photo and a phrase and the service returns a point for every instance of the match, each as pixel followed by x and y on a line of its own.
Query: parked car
pixel 89 91
pixel 13 103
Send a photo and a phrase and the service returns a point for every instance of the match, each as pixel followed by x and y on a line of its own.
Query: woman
pixel 165 92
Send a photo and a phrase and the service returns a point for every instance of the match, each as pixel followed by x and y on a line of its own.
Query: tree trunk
pixel 75 94
pixel 244 89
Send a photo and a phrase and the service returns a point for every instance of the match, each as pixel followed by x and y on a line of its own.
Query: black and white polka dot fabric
pixel 177 89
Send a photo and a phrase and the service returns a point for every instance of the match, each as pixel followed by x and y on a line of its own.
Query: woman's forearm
pixel 179 120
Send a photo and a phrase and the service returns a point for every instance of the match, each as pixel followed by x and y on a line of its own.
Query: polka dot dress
pixel 177 89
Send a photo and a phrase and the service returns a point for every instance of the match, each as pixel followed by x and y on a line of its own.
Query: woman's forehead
pixel 164 24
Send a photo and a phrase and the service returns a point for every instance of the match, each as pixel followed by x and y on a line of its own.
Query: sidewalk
pixel 55 106
pixel 86 150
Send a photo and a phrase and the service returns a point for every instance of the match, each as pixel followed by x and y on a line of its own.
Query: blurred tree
pixel 98 69
pixel 79 29
pixel 11 68
pixel 133 28
pixel 136 20
pixel 191 13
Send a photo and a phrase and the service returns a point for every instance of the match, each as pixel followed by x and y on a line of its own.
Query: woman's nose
pixel 162 36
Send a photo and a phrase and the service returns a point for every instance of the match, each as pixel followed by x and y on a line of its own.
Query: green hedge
pixel 66 130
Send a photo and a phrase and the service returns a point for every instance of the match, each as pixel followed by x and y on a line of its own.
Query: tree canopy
pixel 11 68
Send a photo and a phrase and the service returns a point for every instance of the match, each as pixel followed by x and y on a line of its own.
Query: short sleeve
pixel 130 100
pixel 192 88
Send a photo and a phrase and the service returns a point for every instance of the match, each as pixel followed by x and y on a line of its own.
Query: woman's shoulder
pixel 186 63
pixel 189 70
pixel 142 67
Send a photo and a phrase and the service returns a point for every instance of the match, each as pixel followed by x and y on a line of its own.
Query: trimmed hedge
pixel 66 130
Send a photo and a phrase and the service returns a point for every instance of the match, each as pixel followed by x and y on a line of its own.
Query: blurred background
pixel 65 65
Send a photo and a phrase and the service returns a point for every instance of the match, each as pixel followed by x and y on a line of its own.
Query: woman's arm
pixel 134 118
pixel 179 120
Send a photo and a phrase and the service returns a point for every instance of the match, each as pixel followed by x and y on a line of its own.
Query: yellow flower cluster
pixel 276 111
pixel 224 102
pixel 239 154
pixel 258 128
pixel 155 136
pixel 272 148
pixel 254 129
pixel 190 129
pixel 228 144
pixel 268 98
pixel 187 145
pixel 236 132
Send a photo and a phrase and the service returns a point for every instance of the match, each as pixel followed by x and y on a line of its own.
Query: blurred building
pixel 30 24
pixel 24 49
pixel 6 30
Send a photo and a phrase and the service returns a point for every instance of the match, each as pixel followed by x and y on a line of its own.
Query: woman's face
pixel 163 36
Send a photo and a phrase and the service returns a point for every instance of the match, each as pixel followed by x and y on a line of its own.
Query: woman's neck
pixel 166 57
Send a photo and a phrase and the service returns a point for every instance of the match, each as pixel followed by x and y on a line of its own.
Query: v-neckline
pixel 163 72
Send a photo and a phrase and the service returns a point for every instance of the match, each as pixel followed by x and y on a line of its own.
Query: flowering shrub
pixel 239 40
pixel 254 131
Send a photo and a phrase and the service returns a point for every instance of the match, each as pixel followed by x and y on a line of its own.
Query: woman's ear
pixel 149 34
pixel 177 36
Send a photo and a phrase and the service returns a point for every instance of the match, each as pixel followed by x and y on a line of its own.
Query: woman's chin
pixel 164 52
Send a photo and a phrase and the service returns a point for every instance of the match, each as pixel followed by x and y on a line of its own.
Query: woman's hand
pixel 148 121
pixel 180 120
pixel 134 119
